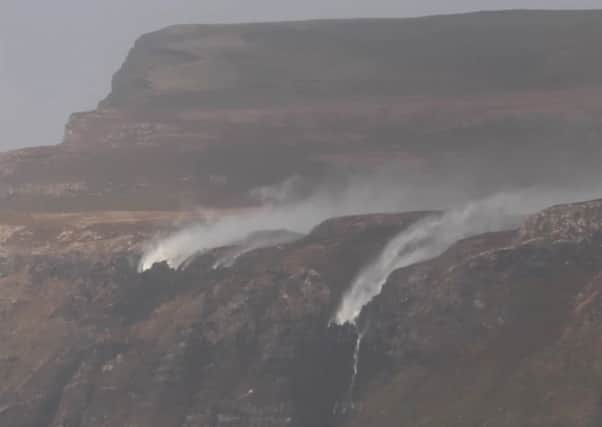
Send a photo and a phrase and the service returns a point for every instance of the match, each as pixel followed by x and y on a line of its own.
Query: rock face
pixel 564 222
pixel 204 114
pixel 496 331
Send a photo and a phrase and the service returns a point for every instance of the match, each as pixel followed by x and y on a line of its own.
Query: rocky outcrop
pixel 579 220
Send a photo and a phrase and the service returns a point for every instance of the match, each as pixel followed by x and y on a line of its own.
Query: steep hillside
pixel 503 329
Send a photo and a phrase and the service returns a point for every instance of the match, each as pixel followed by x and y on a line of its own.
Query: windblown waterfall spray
pixel 176 249
pixel 428 239
pixel 421 242
pixel 299 217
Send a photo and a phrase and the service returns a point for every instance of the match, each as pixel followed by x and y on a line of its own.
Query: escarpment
pixel 196 110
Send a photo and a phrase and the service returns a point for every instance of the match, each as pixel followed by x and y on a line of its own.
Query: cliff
pixel 255 65
pixel 204 114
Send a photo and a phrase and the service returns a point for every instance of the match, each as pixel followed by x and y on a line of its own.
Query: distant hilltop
pixel 254 65
pixel 207 114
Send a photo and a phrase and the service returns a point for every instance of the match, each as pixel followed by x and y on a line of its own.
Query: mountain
pixel 204 114
pixel 316 224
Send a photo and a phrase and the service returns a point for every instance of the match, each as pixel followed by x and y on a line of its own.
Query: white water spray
pixel 178 248
pixel 298 217
pixel 358 198
pixel 432 236
pixel 253 242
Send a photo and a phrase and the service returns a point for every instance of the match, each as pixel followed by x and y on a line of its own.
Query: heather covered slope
pixel 205 114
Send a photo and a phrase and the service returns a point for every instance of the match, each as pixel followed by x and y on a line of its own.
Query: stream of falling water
pixel 356 361
pixel 347 403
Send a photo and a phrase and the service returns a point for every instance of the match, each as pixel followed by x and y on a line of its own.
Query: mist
pixel 469 213
pixel 298 216
pixel 58 57
pixel 284 208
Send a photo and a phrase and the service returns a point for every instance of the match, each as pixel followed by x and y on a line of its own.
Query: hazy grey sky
pixel 58 56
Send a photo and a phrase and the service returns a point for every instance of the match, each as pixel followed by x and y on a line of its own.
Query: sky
pixel 57 57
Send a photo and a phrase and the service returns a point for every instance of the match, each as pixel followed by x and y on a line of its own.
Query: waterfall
pixel 356 361
pixel 426 240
